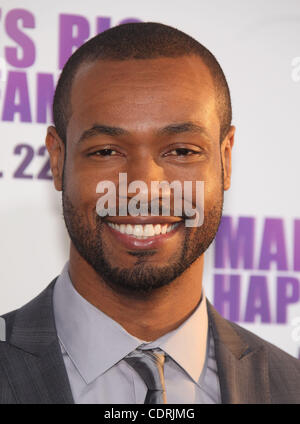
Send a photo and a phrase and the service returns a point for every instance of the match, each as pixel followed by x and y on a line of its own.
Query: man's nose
pixel 145 169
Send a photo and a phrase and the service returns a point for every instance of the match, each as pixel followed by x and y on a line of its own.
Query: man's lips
pixel 143 219
pixel 143 232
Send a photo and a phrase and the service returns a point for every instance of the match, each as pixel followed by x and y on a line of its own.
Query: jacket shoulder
pixel 25 334
pixel 274 351
pixel 30 313
pixel 284 369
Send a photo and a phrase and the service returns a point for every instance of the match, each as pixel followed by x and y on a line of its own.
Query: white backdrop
pixel 252 273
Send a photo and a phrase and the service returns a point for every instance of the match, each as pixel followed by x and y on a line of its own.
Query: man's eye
pixel 182 152
pixel 104 152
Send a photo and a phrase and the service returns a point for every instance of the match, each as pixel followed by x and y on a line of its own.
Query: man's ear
pixel 226 148
pixel 56 149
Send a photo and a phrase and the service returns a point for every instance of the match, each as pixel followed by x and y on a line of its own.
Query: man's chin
pixel 142 279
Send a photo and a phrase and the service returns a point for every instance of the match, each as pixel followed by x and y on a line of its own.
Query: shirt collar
pixel 95 342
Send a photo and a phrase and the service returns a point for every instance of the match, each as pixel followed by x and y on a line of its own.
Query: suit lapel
pixel 33 361
pixel 242 366
pixel 35 368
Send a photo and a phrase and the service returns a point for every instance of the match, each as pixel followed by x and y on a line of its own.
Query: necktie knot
pixel 150 367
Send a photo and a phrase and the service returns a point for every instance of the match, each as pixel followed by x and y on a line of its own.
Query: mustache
pixel 174 201
pixel 156 207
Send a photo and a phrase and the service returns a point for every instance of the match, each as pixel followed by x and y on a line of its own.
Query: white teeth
pixel 157 229
pixel 129 229
pixel 164 229
pixel 143 231
pixel 138 230
pixel 149 230
pixel 169 228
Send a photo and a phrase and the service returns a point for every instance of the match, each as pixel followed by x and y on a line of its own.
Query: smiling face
pixel 154 119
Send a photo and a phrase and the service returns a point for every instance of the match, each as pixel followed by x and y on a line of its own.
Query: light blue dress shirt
pixel 93 346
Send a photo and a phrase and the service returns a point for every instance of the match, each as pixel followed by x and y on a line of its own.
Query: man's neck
pixel 146 317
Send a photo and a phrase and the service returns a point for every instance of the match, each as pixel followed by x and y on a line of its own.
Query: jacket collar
pixel 33 329
pixel 242 364
pixel 37 362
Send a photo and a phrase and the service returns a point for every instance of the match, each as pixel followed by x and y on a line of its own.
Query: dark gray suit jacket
pixel 32 369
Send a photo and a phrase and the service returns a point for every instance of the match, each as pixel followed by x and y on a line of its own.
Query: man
pixel 127 320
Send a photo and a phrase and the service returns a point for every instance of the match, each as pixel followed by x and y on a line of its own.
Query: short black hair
pixel 144 40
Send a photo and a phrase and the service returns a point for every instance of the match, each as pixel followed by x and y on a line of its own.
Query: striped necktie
pixel 150 367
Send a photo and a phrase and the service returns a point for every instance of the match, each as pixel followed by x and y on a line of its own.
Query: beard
pixel 141 278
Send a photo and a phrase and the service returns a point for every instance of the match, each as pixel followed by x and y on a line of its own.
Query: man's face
pixel 167 129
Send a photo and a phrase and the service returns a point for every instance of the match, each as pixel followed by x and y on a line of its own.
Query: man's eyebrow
pixel 182 127
pixel 176 128
pixel 99 129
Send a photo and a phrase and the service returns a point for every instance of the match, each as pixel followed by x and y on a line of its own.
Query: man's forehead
pixel 188 69
pixel 140 94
